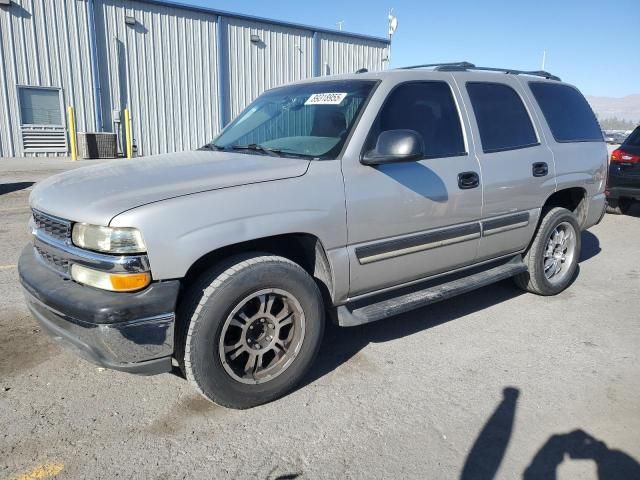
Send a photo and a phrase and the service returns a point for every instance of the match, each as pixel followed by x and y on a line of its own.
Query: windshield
pixel 309 120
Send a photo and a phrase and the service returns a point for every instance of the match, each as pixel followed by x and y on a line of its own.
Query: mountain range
pixel 624 108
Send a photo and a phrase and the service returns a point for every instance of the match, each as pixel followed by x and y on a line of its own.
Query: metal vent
pixel 44 139
pixel 53 226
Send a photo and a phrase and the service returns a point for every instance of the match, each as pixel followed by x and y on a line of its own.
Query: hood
pixel 98 193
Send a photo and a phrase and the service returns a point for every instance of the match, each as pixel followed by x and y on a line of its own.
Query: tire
pixel 237 307
pixel 618 206
pixel 541 254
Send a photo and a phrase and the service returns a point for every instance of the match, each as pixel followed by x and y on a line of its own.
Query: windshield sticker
pixel 326 99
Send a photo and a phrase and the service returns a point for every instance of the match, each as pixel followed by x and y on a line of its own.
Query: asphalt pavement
pixel 494 383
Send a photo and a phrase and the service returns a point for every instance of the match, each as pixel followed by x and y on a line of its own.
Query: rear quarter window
pixel 567 113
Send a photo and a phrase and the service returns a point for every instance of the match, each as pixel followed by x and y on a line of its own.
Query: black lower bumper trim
pixel 90 304
pixel 127 332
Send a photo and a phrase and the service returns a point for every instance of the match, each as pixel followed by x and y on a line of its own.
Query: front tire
pixel 251 329
pixel 552 258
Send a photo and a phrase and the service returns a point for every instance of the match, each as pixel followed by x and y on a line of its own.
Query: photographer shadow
pixel 579 445
pixel 487 452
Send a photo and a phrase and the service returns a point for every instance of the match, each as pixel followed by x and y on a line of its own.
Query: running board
pixel 348 316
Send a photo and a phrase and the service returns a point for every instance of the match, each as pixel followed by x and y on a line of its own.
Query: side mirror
pixel 395 146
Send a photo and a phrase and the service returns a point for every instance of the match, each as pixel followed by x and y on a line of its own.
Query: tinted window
pixel 503 120
pixel 429 109
pixel 633 140
pixel 568 114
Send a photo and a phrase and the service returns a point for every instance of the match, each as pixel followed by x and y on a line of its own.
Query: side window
pixel 429 109
pixel 502 118
pixel 568 114
pixel 40 106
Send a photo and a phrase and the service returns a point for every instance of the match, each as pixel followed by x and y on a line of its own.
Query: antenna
pixel 544 58
pixel 340 23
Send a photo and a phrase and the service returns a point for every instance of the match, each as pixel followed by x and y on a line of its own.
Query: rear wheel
pixel 618 206
pixel 552 258
pixel 250 330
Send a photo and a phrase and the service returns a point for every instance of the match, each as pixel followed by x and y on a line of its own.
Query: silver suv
pixel 362 196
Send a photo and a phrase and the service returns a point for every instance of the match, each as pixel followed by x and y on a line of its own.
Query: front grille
pixel 53 226
pixel 56 262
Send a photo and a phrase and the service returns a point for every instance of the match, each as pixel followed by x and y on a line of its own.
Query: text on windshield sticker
pixel 325 99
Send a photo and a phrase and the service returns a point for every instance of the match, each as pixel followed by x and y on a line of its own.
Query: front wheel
pixel 552 258
pixel 250 330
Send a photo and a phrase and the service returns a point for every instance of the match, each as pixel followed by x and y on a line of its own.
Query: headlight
pixel 116 282
pixel 108 239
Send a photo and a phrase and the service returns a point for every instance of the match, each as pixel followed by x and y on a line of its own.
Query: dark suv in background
pixel 623 185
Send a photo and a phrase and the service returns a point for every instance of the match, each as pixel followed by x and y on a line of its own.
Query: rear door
pixel 518 170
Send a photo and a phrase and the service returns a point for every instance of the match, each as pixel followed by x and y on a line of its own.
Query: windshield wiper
pixel 258 148
pixel 211 146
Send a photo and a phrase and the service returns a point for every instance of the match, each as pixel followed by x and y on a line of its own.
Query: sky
pixel 591 44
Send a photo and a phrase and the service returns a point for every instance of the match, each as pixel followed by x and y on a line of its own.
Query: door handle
pixel 467 180
pixel 540 169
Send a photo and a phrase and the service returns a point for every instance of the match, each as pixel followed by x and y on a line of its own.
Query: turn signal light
pixel 115 282
pixel 130 282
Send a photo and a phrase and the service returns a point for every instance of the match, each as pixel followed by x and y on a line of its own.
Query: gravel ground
pixel 468 388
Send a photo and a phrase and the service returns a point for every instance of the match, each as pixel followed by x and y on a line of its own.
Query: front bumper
pixel 131 332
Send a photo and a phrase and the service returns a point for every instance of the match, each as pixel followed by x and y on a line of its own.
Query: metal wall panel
pixel 163 68
pixel 43 43
pixel 341 54
pixel 282 55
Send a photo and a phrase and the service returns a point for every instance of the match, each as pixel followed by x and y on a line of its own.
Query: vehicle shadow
pixel 590 246
pixel 341 343
pixel 14 187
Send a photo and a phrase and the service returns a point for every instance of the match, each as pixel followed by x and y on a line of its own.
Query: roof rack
pixel 463 66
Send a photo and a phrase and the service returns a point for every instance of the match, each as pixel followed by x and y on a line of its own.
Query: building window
pixel 40 106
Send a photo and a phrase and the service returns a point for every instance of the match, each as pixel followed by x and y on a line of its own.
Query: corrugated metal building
pixel 183 71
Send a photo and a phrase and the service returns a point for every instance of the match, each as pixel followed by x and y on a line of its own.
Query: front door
pixel 407 221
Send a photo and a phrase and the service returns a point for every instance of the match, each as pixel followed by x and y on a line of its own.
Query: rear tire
pixel 250 330
pixel 552 258
pixel 619 206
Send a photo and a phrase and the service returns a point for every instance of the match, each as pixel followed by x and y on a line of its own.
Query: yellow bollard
pixel 127 132
pixel 72 134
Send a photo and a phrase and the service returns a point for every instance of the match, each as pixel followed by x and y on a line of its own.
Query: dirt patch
pixel 183 412
pixel 22 344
